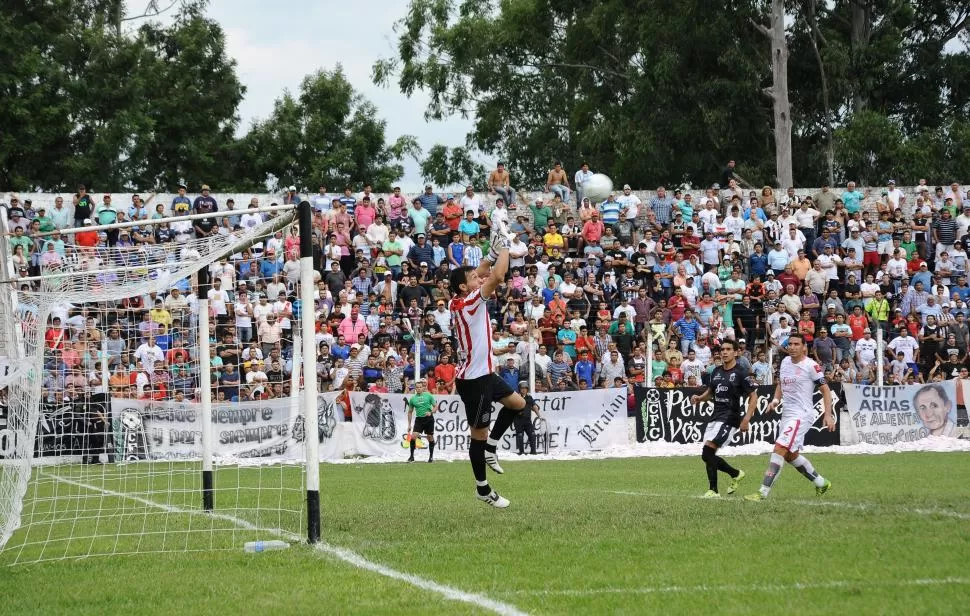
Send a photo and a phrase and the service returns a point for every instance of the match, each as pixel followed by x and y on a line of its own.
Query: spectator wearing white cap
pixel 894 197
pixel 629 204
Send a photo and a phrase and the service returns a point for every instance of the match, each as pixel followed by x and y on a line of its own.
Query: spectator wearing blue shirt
pixel 662 206
pixel 268 265
pixel 665 271
pixel 469 226
pixel 181 204
pixel 852 198
pixel 923 275
pixel 431 201
pixel 456 251
pixel 962 289
pixel 778 258
pixel 610 210
pixel 348 200
pixel 688 327
pixel 758 262
pixel 585 369
pixel 510 374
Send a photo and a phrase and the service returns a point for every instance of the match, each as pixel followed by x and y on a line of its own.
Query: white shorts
pixel 719 433
pixel 792 431
pixel 886 248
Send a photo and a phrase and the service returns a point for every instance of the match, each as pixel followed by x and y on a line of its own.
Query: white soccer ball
pixel 598 187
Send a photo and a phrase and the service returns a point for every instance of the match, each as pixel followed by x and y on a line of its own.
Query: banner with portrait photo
pixel 266 429
pixel 670 416
pixel 890 415
pixel 577 420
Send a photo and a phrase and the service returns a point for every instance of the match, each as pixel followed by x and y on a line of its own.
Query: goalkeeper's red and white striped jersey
pixel 473 329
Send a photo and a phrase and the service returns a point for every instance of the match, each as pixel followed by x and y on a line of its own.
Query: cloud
pixel 274 49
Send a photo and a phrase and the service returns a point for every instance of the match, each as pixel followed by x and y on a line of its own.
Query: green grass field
pixel 581 537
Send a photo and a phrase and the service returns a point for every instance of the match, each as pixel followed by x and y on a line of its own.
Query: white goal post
pixel 142 483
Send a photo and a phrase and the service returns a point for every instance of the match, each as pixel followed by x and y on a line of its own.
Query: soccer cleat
pixel 491 458
pixel 493 499
pixel 756 497
pixel 820 490
pixel 411 459
pixel 736 482
pixel 711 494
pixel 430 460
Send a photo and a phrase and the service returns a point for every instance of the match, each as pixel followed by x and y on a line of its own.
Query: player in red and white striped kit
pixel 476 381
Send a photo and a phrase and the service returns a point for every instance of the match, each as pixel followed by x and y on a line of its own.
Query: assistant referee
pixel 421 410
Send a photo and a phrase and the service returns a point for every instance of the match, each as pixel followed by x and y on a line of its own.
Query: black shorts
pixel 424 425
pixel 478 395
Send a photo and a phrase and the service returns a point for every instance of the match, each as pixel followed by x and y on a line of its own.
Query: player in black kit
pixel 728 385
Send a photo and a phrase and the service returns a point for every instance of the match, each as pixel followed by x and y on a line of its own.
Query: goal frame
pixel 307 339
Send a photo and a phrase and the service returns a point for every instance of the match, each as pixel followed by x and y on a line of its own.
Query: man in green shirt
pixel 421 408
pixel 46 222
pixel 540 215
pixel 394 254
pixel 19 239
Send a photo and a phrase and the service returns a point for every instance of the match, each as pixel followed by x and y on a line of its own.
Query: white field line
pixel 946 513
pixel 743 588
pixel 348 556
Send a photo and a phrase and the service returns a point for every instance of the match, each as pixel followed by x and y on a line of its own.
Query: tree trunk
pixel 814 36
pixel 860 33
pixel 782 107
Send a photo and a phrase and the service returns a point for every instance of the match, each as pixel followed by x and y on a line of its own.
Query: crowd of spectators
pixel 589 286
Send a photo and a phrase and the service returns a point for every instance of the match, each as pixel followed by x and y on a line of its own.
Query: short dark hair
pixel 730 343
pixel 458 277
pixel 797 335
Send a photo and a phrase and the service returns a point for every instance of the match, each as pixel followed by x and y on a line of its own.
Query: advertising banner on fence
pixel 670 416
pixel 578 421
pixel 889 415
pixel 273 429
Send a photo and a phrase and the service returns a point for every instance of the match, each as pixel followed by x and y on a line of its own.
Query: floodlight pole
pixel 307 329
pixel 205 386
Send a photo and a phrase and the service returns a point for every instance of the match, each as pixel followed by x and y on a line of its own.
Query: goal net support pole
pixel 307 329
pixel 205 386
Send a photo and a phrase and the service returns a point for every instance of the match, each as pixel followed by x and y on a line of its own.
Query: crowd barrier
pixel 575 421
pixel 273 430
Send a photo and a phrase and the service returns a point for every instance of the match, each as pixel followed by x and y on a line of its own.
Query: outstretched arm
pixel 496 273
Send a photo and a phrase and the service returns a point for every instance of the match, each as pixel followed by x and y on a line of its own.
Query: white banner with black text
pixel 890 415
pixel 578 421
pixel 270 429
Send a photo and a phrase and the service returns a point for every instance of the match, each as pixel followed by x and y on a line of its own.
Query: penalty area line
pixel 946 513
pixel 344 554
pixel 737 588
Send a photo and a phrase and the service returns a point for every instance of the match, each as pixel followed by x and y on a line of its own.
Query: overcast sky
pixel 276 43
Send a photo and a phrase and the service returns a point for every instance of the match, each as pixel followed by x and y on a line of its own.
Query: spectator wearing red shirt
pixel 55 335
pixel 858 322
pixel 677 305
pixel 86 239
pixel 788 277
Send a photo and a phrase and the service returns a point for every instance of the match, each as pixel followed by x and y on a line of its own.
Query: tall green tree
pixel 327 134
pixel 191 103
pixel 650 92
pixel 81 100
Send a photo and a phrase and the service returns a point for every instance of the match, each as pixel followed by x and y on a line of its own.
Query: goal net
pixel 150 396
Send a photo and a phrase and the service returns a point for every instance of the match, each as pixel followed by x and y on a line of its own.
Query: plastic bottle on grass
pixel 266 546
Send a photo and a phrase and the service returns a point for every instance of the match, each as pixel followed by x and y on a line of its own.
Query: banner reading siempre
pixel 889 415
pixel 274 429
pixel 578 421
pixel 670 417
